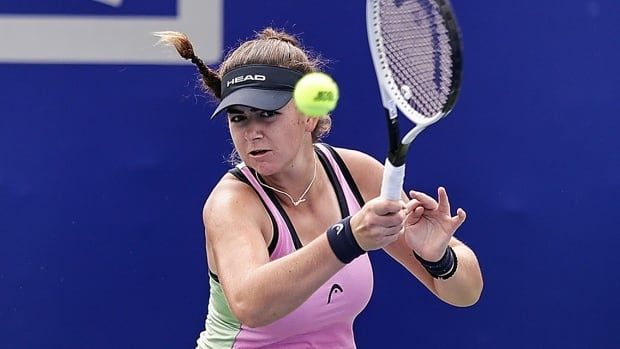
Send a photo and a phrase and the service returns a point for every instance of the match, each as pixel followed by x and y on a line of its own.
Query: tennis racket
pixel 416 52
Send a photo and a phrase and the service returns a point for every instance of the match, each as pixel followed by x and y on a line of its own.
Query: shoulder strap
pixel 282 243
pixel 236 171
pixel 345 178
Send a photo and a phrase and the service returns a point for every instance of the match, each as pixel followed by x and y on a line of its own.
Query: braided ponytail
pixel 210 79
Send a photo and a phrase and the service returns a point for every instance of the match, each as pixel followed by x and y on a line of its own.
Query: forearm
pixel 465 286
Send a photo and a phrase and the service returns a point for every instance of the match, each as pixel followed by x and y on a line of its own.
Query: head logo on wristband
pixel 343 243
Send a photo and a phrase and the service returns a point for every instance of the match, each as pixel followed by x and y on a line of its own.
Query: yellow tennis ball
pixel 316 94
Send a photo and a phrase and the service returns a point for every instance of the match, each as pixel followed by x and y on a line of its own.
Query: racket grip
pixel 393 179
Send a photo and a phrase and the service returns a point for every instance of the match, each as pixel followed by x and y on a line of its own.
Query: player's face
pixel 267 141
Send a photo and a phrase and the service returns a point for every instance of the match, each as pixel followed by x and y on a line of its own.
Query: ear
pixel 310 123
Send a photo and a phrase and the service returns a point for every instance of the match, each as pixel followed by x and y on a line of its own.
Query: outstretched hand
pixel 429 224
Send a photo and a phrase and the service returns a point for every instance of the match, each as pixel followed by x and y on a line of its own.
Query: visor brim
pixel 261 99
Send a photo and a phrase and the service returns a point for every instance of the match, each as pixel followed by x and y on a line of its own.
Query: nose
pixel 253 131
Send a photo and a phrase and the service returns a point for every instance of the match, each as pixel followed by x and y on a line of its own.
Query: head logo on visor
pixel 264 87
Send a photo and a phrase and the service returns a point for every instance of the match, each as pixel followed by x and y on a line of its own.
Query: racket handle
pixel 393 179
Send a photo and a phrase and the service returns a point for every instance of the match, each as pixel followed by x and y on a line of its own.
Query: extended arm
pixel 463 288
pixel 260 291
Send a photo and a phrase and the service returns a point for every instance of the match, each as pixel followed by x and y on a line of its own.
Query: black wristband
pixel 343 243
pixel 443 268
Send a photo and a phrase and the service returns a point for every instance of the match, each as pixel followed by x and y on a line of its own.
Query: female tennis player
pixel 288 228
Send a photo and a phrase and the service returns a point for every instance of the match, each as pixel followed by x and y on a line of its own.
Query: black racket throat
pixel 397 156
pixel 397 153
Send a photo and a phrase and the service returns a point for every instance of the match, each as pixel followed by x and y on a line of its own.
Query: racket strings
pixel 418 52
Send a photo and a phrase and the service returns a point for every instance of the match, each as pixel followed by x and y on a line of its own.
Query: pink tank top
pixel 325 320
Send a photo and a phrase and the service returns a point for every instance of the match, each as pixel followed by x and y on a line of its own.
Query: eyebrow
pixel 233 110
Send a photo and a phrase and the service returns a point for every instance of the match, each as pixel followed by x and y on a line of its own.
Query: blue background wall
pixel 104 170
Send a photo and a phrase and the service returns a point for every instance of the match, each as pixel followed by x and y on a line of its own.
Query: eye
pixel 267 113
pixel 237 117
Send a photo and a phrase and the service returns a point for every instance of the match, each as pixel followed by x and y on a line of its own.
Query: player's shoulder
pixel 228 195
pixel 365 170
pixel 356 159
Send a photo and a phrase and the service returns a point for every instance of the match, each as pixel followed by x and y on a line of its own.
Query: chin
pixel 263 167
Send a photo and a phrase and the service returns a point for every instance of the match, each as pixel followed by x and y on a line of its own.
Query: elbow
pixel 253 320
pixel 244 313
pixel 250 303
pixel 471 287
pixel 463 300
pixel 469 297
pixel 249 313
pixel 463 295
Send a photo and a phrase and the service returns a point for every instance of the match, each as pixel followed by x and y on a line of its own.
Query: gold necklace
pixel 293 201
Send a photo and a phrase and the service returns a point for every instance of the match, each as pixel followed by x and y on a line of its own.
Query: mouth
pixel 258 152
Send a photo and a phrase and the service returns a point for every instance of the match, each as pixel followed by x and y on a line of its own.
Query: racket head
pixel 417 53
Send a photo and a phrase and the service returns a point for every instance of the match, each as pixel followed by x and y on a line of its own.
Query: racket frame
pixel 393 100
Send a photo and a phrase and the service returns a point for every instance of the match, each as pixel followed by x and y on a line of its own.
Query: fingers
pixel 412 205
pixel 389 214
pixel 379 223
pixel 414 210
pixel 444 203
pixel 418 212
pixel 429 203
pixel 442 207
pixel 459 218
pixel 388 207
pixel 426 201
pixel 390 220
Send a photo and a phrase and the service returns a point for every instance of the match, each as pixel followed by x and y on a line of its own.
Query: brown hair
pixel 269 46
